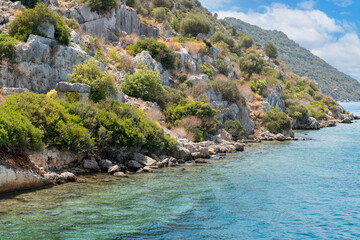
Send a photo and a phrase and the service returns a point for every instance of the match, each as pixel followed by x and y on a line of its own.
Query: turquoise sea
pixel 293 190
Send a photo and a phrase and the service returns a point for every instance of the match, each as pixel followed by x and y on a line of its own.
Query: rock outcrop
pixel 275 98
pixel 11 180
pixel 110 25
pixel 306 124
pixel 43 63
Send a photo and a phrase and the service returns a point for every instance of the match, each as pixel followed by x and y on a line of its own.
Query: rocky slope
pixel 42 62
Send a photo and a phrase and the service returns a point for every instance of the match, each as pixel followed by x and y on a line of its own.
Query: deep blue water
pixel 294 190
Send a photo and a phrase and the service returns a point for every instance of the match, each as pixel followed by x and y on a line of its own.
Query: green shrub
pixel 251 63
pixel 119 125
pixel 193 24
pixel 17 132
pixel 163 3
pixel 246 42
pixel 228 90
pixel 7 47
pixel 182 78
pixel 101 83
pixel 61 129
pixel 276 122
pixel 189 108
pixel 298 111
pixel 144 84
pixel 235 128
pixel 28 22
pixel 221 37
pixel 159 14
pixel 71 23
pixel 222 67
pixel 101 6
pixel 176 114
pixel 271 51
pixel 207 70
pixel 159 51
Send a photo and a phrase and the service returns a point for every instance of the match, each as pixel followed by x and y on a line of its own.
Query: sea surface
pixel 293 190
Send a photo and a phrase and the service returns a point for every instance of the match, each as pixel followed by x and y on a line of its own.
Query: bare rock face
pixel 145 58
pixel 47 29
pixel 72 87
pixel 12 180
pixel 119 19
pixel 306 124
pixel 275 98
pixel 43 63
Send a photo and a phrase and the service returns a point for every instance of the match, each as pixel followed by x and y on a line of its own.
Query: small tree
pixel 193 24
pixel 246 42
pixel 101 6
pixel 101 83
pixel 271 51
pixel 144 84
pixel 235 128
pixel 251 63
pixel 276 122
pixel 7 46
pixel 222 67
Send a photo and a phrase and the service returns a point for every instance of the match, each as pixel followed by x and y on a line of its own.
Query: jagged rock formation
pixel 110 25
pixel 226 111
pixel 275 98
pixel 43 63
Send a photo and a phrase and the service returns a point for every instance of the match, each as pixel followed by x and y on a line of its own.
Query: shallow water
pixel 293 190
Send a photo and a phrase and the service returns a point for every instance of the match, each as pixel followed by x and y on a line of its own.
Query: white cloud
pixel 214 4
pixel 344 54
pixel 334 41
pixel 308 5
pixel 310 28
pixel 342 3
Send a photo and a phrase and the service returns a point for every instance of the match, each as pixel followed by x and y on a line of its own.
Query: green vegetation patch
pixel 276 122
pixel 28 22
pixel 7 47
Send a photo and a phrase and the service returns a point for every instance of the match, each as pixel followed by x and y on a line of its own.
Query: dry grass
pixel 18 12
pixel 181 132
pixel 127 40
pixel 194 48
pixel 172 44
pixel 191 122
pixel 156 115
pixel 198 91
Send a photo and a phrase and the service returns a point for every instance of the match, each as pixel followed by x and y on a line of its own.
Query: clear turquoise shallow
pixel 293 190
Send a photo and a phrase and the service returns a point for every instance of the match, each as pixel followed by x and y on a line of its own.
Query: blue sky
pixel 328 28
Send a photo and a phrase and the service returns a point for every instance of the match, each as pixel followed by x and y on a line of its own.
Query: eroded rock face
pixel 42 64
pixel 119 19
pixel 275 98
pixel 12 180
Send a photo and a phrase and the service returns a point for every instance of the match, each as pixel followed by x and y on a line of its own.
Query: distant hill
pixel 301 61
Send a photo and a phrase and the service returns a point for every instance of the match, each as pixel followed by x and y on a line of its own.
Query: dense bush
pixel 189 113
pixel 298 111
pixel 235 128
pixel 7 46
pixel 246 42
pixel 119 125
pixel 101 6
pixel 271 50
pixel 159 51
pixel 222 37
pixel 159 14
pixel 163 3
pixel 189 108
pixel 222 67
pixel 144 84
pixel 276 122
pixel 251 63
pixel 28 22
pixel 60 129
pixel 207 70
pixel 101 83
pixel 228 90
pixel 17 132
pixel 193 24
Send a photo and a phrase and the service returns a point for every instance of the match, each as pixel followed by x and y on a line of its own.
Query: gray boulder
pixel 72 87
pixel 105 164
pixel 225 135
pixel 181 153
pixel 68 177
pixel 134 164
pixel 47 29
pixel 91 164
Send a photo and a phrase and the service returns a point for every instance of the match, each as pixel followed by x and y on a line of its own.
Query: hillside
pixel 301 61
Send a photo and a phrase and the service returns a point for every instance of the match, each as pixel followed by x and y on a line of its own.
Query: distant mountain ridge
pixel 302 62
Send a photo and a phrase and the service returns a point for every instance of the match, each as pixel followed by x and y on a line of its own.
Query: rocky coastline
pixel 51 167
